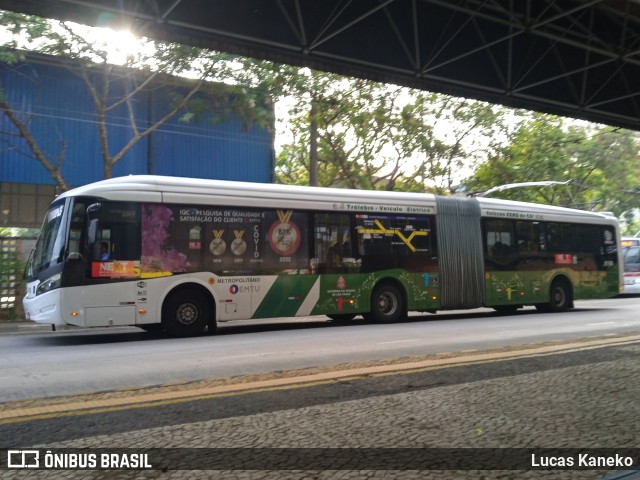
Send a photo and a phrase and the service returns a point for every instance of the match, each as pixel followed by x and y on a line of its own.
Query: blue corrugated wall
pixel 62 116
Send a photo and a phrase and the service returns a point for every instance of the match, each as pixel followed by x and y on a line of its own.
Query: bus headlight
pixel 50 283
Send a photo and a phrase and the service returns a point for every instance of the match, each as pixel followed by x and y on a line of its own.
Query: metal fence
pixel 13 254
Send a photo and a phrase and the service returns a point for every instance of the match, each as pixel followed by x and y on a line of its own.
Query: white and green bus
pixel 183 254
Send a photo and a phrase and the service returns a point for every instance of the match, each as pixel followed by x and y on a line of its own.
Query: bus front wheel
pixel 153 328
pixel 387 304
pixel 185 313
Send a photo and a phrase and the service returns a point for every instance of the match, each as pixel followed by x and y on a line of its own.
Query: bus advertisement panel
pixel 182 255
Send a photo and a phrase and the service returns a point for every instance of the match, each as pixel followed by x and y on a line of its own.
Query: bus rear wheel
pixel 387 304
pixel 560 297
pixel 185 313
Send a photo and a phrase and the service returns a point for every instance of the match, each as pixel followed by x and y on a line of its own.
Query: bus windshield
pixel 50 246
pixel 631 256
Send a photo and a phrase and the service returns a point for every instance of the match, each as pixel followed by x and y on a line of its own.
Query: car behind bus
pixel 631 258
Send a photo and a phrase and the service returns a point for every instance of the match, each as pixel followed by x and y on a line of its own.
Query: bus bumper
pixel 44 308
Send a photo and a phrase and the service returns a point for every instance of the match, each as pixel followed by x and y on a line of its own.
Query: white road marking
pixel 602 323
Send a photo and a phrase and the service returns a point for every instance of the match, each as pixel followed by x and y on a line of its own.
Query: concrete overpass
pixel 576 58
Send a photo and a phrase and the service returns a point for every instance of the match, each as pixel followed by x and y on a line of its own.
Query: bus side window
pixel 105 251
pixel 526 238
pixel 333 245
pixel 102 247
pixel 541 237
pixel 609 247
pixel 114 232
pixel 561 237
pixel 499 237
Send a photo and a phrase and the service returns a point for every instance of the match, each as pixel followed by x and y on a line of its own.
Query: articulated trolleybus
pixel 182 254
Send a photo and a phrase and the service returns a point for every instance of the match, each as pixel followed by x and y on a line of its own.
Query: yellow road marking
pixel 15 412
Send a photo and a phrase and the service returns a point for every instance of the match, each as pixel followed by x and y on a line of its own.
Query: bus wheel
pixel 342 317
pixel 212 326
pixel 185 313
pixel 387 304
pixel 559 297
pixel 153 328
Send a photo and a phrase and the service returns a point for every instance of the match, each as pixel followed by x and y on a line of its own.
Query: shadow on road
pixel 132 334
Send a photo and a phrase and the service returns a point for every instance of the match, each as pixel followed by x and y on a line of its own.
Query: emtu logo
pixel 233 289
pixel 23 459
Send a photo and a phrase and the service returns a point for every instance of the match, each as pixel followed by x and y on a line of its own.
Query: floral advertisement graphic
pixel 157 257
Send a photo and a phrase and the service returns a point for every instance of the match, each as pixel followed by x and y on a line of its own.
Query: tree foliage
pixel 368 135
pixel 344 132
pixel 601 163
pixel 112 87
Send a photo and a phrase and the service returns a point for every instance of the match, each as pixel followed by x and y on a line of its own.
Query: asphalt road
pixel 45 364
pixel 475 419
pixel 368 418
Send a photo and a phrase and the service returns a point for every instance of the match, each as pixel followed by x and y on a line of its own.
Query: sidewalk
pixel 581 400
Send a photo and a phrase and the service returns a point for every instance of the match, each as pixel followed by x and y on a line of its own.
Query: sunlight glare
pixel 120 44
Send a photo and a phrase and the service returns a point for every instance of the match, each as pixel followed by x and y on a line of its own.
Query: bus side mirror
pixel 93 208
pixel 91 231
pixel 92 213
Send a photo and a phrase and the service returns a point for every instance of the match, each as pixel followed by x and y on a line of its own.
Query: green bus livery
pixel 184 254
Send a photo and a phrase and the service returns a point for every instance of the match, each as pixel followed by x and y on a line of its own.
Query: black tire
pixel 185 313
pixel 153 328
pixel 506 309
pixel 212 325
pixel 543 307
pixel 342 317
pixel 560 297
pixel 387 304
